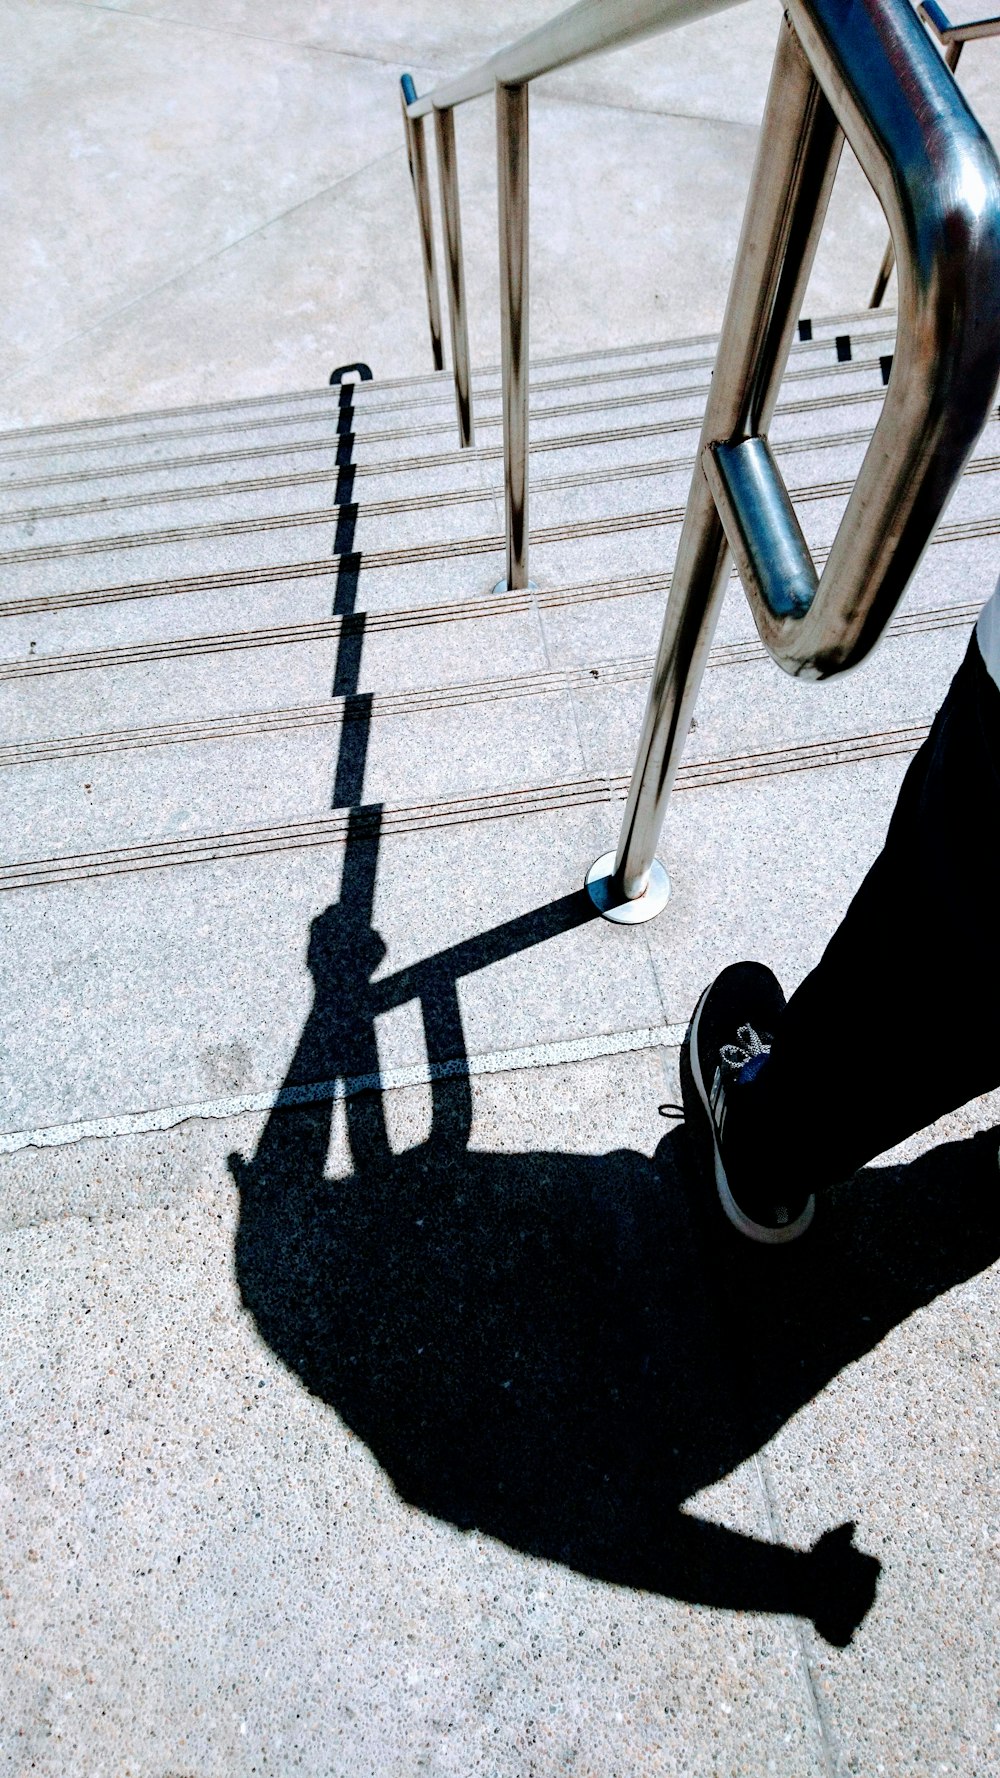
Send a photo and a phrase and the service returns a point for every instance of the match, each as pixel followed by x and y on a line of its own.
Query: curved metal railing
pixel 971 22
pixel 867 71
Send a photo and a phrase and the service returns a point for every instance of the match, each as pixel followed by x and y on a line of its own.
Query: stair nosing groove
pixel 426 700
pixel 391 820
pixel 484 453
pixel 228 580
pixel 419 502
pixel 442 611
pixel 309 517
pixel 373 560
pixel 644 397
pixel 240 404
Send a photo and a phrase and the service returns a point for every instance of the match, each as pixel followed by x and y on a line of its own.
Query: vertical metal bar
pixel 512 167
pixel 884 274
pixel 797 155
pixel 444 133
pixel 951 56
pixel 416 156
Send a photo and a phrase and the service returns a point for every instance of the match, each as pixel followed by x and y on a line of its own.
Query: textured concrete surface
pixel 209 1571
pixel 435 1427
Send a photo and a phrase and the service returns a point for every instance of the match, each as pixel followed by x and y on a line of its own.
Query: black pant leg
pixel 900 1020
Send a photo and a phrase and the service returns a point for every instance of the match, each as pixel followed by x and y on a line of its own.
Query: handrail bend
pixel 865 68
pixel 953 36
pixel 582 30
pixel 936 176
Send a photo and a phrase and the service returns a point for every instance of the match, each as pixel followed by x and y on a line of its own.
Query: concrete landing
pixel 213 198
pixel 428 1520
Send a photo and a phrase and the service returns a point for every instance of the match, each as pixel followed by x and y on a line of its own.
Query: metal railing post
pixel 512 164
pixel 797 157
pixel 451 217
pixel 951 56
pixel 884 274
pixel 416 156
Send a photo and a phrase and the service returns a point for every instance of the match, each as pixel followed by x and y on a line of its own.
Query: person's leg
pixel 899 1021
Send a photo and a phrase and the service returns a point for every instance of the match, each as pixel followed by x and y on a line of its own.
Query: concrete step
pixel 282 768
pixel 40 634
pixel 178 480
pixel 378 490
pixel 226 674
pixel 42 549
pixel 866 325
pixel 240 707
pixel 28 537
pixel 129 470
pixel 425 422
pixel 579 530
pixel 182 969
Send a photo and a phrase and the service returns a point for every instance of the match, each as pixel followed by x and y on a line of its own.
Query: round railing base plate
pixel 609 901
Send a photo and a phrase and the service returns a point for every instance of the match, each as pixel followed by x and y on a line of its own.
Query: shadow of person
pixel 559 1349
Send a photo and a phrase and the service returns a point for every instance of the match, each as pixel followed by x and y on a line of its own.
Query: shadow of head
pixel 560 1349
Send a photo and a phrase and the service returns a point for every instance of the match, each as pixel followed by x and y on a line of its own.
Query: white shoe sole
pixel 754 1231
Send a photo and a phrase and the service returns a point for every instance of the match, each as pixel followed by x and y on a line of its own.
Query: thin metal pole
pixel 884 274
pixel 512 167
pixel 451 216
pixel 416 155
pixel 951 56
pixel 797 157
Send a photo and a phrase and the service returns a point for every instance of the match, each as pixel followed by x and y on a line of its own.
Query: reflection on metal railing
pixel 874 75
pixel 953 29
pixel 869 73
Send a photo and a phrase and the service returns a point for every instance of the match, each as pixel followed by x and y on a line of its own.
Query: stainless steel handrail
pixel 983 22
pixel 583 30
pixel 871 72
pixel 953 35
pixel 444 134
pixel 512 163
pixel 952 56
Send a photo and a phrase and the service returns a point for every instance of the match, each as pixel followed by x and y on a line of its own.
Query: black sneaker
pixel 728 1041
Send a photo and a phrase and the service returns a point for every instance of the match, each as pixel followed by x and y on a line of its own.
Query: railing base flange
pixel 502 587
pixel 609 900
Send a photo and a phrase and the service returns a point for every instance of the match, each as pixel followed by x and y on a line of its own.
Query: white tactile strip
pixel 166 1117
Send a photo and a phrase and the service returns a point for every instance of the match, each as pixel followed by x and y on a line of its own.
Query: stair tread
pixel 418 425
pixel 111 1058
pixel 864 323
